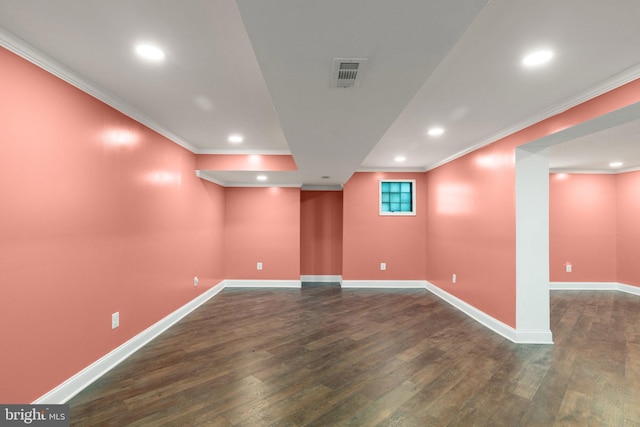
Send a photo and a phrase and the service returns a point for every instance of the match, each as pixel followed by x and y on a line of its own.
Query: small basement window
pixel 397 197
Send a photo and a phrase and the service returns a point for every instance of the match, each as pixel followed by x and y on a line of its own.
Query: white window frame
pixel 413 198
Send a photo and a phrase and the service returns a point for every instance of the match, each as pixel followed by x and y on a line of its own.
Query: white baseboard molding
pixel 74 385
pixel 583 286
pixel 383 284
pixel 514 335
pixel 262 283
pixel 594 286
pixel 321 278
pixel 630 289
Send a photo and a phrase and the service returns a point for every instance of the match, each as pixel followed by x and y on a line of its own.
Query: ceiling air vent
pixel 348 72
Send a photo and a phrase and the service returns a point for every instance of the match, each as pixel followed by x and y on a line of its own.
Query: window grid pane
pixel 396 197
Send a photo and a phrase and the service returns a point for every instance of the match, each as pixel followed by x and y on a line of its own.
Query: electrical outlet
pixel 454 278
pixel 115 320
pixel 195 281
pixel 383 266
pixel 259 266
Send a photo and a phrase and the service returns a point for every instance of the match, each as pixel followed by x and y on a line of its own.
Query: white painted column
pixel 532 245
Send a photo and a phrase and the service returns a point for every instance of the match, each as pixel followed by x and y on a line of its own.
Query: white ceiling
pixel 262 69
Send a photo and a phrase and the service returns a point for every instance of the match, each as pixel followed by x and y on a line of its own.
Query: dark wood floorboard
pixel 322 356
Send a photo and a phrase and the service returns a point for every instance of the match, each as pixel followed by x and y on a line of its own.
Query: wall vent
pixel 348 72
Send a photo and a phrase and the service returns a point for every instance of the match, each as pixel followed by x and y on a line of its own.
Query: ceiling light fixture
pixel 150 52
pixel 261 177
pixel 435 131
pixel 400 159
pixel 537 58
pixel 615 164
pixel 236 139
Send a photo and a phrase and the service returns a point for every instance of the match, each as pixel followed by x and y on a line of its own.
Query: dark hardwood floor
pixel 322 356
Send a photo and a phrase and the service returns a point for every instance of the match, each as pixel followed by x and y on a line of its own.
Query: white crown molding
pixel 47 63
pixel 393 170
pixel 584 171
pixel 306 187
pixel 247 151
pixel 615 81
pixel 595 171
pixel 74 385
pixel 203 174
pixel 263 185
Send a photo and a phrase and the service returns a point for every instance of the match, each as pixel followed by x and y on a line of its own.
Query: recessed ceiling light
pixel 400 159
pixel 615 164
pixel 537 58
pixel 261 177
pixel 435 131
pixel 150 52
pixel 236 139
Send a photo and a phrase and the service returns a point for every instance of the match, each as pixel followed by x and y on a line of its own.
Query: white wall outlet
pixel 383 266
pixel 454 278
pixel 568 268
pixel 115 320
pixel 259 266
pixel 195 281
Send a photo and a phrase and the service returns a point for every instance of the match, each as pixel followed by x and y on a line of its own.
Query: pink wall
pixel 471 229
pixel 369 239
pixel 582 227
pixel 262 225
pixel 99 214
pixel 321 233
pixel 628 212
pixel 471 202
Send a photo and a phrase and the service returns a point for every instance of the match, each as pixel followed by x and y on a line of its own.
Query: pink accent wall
pixel 471 202
pixel 471 229
pixel 99 214
pixel 369 239
pixel 245 162
pixel 582 227
pixel 262 225
pixel 628 212
pixel 321 233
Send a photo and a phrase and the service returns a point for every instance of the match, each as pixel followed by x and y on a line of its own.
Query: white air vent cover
pixel 348 72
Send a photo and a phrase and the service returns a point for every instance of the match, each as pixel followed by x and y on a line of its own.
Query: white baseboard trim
pixel 383 284
pixel 594 286
pixel 630 289
pixel 583 286
pixel 321 278
pixel 74 385
pixel 262 283
pixel 514 335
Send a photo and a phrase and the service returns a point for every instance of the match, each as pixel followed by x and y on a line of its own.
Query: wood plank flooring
pixel 322 356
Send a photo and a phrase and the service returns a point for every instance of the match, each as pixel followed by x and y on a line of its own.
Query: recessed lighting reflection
pixel 150 52
pixel 615 164
pixel 537 58
pixel 235 139
pixel 400 159
pixel 435 131
pixel 261 177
